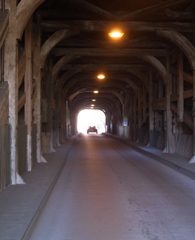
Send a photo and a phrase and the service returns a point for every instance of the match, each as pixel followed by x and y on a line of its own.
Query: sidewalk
pixel 175 161
pixel 21 205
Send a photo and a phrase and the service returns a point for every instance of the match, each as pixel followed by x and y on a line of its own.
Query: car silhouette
pixel 92 129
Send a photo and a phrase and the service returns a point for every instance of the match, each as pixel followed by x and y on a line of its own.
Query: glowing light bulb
pixel 93 100
pixel 116 34
pixel 101 76
pixel 96 91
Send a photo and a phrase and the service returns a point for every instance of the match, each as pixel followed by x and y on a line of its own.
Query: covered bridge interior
pixel 51 54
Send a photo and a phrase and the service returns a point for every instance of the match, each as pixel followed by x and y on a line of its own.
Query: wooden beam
pixel 190 7
pixel 21 69
pixel 4 25
pixel 141 42
pixel 62 62
pixel 93 8
pixel 186 94
pixel 167 15
pixel 182 42
pixel 187 77
pixel 89 25
pixel 108 52
pixel 21 102
pixel 159 104
pixel 155 8
pixel 187 119
pixel 107 67
pixel 178 15
pixel 53 40
pixel 69 74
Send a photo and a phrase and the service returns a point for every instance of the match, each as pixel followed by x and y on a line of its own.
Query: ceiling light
pixel 100 76
pixel 96 91
pixel 92 105
pixel 93 100
pixel 116 34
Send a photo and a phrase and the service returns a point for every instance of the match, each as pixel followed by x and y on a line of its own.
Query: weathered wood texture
pixel 156 7
pixel 109 67
pixel 4 103
pixel 21 69
pixel 28 91
pixel 93 8
pixel 5 178
pixel 180 86
pixel 53 40
pixel 24 6
pixel 21 102
pixel 108 52
pixel 108 26
pixel 4 23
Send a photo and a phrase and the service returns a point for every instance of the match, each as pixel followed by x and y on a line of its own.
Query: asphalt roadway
pixel 108 191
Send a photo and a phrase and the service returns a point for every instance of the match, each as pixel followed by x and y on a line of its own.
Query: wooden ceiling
pixel 94 49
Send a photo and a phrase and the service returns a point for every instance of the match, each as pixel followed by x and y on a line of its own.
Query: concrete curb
pixel 174 166
pixel 34 220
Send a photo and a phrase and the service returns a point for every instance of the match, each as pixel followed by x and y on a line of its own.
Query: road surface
pixel 107 191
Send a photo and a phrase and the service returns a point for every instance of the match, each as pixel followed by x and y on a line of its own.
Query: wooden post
pixel 37 78
pixel 49 94
pixel 28 92
pixel 11 75
pixel 151 114
pixel 144 102
pixel 139 112
pixel 62 118
pixel 180 99
pixel 160 87
pixel 192 160
pixel 57 117
pixel 135 117
pixel 131 116
pixel 169 141
pixel 49 97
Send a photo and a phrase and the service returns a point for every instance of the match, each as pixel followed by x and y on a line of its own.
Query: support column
pixel 57 117
pixel 68 126
pixel 49 97
pixel 37 78
pixel 108 122
pixel 192 160
pixel 49 94
pixel 139 113
pixel 180 101
pixel 62 118
pixel 160 88
pixel 135 118
pixel 28 92
pixel 151 113
pixel 169 140
pixel 144 103
pixel 131 117
pixel 11 75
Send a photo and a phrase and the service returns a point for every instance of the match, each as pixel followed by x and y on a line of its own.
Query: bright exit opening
pixel 91 118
